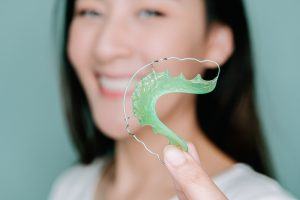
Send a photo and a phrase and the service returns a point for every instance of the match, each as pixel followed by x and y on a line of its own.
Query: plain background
pixel 34 146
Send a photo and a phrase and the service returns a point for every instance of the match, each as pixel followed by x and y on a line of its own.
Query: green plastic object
pixel 154 85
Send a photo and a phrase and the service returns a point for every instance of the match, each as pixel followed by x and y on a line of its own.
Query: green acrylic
pixel 151 87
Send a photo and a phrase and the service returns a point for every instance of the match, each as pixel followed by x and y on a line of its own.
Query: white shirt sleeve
pixel 77 183
pixel 241 182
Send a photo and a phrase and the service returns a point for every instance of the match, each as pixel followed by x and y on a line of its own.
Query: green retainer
pixel 154 85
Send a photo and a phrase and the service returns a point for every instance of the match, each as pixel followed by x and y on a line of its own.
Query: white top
pixel 240 182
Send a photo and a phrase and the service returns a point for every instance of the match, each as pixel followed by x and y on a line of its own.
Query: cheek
pixel 187 41
pixel 79 48
pixel 78 45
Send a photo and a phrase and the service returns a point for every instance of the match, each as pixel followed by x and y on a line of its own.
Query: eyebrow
pixel 177 1
pixel 158 0
pixel 171 0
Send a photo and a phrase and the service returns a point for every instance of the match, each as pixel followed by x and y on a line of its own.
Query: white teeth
pixel 116 84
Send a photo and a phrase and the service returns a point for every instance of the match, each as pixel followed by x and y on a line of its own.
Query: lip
pixel 113 94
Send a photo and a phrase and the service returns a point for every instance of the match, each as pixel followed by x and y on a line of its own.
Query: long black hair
pixel 228 115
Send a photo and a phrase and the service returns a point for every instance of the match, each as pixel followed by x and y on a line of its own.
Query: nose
pixel 112 41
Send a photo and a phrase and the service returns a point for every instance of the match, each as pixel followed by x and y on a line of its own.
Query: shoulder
pixel 77 182
pixel 243 183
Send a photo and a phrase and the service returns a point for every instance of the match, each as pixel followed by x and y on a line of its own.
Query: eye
pixel 150 13
pixel 88 13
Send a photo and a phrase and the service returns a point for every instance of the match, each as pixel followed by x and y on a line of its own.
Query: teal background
pixel 34 146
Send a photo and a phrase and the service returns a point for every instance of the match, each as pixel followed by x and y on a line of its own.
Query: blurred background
pixel 34 145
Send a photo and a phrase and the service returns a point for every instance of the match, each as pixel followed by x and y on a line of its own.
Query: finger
pixel 193 152
pixel 188 174
pixel 179 191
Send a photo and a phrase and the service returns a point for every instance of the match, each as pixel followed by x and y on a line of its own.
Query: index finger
pixel 189 175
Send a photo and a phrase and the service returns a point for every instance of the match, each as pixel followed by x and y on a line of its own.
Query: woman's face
pixel 110 39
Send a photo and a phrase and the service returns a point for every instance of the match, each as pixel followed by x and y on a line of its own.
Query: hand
pixel 191 181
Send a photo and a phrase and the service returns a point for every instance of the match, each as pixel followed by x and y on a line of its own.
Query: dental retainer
pixel 155 84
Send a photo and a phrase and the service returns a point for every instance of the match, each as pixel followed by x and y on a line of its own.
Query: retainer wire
pixel 127 117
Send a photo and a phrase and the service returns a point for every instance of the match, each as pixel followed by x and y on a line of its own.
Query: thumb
pixel 189 177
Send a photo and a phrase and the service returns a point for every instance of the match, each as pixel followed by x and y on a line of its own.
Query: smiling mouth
pixel 113 86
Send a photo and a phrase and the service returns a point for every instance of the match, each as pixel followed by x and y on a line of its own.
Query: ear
pixel 219 44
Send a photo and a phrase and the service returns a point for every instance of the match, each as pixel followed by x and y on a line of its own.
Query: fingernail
pixel 174 156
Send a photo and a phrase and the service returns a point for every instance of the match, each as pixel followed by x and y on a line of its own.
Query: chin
pixel 111 126
pixel 108 117
pixel 111 130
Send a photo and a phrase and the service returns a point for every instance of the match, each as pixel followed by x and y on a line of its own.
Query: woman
pixel 105 43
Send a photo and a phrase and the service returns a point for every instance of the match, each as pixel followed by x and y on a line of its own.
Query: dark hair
pixel 227 115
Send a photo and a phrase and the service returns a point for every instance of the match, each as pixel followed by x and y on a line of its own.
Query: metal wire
pixel 127 117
